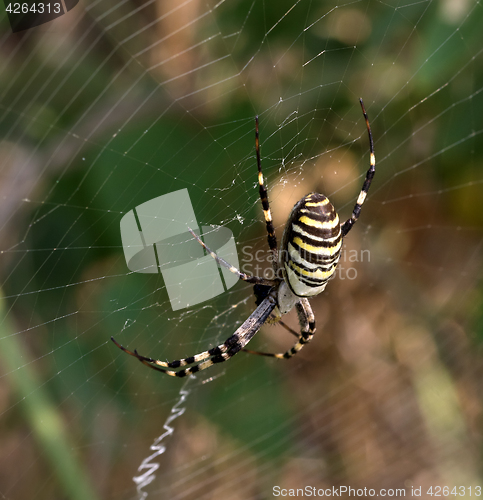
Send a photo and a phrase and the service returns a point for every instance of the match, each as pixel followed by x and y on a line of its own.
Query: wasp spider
pixel 306 260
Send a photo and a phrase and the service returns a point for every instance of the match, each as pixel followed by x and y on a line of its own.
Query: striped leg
pixel 347 226
pixel 218 354
pixel 307 330
pixel 222 262
pixel 272 239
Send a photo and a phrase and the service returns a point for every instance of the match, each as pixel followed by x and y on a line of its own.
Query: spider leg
pixel 281 323
pixel 288 328
pixel 222 262
pixel 218 354
pixel 307 330
pixel 271 238
pixel 347 226
pixel 167 364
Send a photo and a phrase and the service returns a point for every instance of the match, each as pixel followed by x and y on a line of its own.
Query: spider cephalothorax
pixel 306 260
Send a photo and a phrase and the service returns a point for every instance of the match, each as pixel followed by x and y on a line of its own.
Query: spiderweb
pixel 117 103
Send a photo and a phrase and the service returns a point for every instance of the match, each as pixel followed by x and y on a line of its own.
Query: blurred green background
pixel 114 104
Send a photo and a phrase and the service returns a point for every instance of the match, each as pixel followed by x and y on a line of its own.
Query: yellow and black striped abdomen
pixel 311 245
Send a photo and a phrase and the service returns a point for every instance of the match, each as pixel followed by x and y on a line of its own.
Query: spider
pixel 306 260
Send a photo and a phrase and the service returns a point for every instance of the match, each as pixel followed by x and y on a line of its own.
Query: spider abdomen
pixel 311 245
